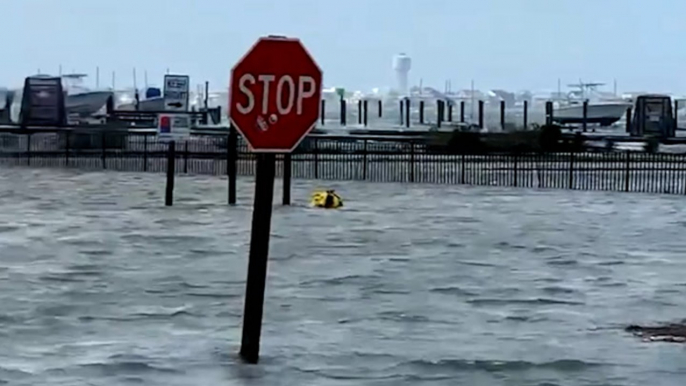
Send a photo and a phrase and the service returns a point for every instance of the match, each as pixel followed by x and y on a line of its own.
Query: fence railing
pixel 351 158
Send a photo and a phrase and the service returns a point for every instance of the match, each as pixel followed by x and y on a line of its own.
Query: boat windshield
pixel 73 82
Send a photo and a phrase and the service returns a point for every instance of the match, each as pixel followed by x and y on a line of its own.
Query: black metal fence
pixel 351 158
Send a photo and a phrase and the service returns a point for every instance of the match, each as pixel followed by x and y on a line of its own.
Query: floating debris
pixel 673 332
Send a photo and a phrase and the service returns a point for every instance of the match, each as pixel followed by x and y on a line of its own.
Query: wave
pixel 536 301
pixel 494 365
pixel 119 368
pixel 347 279
pixel 451 290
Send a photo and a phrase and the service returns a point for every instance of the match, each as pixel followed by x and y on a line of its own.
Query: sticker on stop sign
pixel 275 102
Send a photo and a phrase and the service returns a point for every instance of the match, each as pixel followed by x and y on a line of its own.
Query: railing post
pixel 525 114
pixel 322 116
pixel 571 170
pixel 104 157
pixel 316 157
pixel 145 152
pixel 171 163
pixel 462 168
pixel 411 161
pixel 627 171
pixel 515 169
pixel 185 157
pixel 232 148
pixel 66 149
pixel 364 161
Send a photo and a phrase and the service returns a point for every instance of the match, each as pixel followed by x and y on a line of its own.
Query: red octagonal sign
pixel 275 93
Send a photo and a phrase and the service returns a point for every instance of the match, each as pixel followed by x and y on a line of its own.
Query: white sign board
pixel 176 89
pixel 173 127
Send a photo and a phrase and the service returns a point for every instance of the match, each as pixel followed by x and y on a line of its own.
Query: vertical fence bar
pixel 411 161
pixel 514 168
pixel 185 157
pixel 571 171
pixel 286 179
pixel 104 150
pixel 28 149
pixel 481 114
pixel 380 107
pixel 322 113
pixel 627 171
pixel 526 114
pixel 66 148
pixel 450 111
pixel 421 112
pixel 462 166
pixel 316 157
pixel 461 111
pixel 145 152
pixel 364 161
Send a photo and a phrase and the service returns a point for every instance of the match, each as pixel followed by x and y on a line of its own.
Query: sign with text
pixel 176 92
pixel 173 127
pixel 274 103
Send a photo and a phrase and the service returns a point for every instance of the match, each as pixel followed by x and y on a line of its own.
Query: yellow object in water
pixel 327 199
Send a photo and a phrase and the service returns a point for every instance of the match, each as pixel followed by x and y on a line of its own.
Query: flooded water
pixel 100 284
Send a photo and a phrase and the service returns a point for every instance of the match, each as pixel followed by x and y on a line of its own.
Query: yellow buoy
pixel 326 199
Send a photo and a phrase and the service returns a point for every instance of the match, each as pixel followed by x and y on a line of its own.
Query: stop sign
pixel 275 93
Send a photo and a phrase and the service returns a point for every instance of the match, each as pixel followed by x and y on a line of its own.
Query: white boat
pixel 603 110
pixel 150 99
pixel 80 100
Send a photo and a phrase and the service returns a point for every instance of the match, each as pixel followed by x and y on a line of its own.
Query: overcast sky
pixel 512 44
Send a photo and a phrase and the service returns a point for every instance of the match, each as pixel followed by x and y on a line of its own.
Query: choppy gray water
pixel 409 284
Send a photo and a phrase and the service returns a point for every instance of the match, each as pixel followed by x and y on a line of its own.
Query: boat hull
pixel 86 104
pixel 604 114
pixel 152 104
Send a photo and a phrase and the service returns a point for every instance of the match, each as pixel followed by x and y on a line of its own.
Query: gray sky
pixel 510 44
